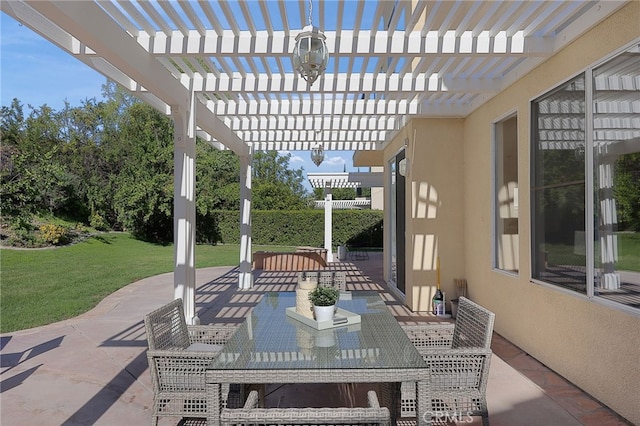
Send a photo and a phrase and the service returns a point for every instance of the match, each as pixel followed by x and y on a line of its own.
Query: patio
pixel 93 370
pixel 442 96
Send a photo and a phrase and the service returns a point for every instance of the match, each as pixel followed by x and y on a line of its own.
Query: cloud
pixel 296 159
pixel 335 161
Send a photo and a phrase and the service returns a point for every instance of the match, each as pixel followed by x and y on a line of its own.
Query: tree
pixel 110 163
pixel 144 196
pixel 34 179
pixel 275 185
pixel 626 191
pixel 217 179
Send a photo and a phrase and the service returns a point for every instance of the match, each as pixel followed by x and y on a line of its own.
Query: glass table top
pixel 269 339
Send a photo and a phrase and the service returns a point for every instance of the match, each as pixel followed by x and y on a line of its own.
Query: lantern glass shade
pixel 317 155
pixel 310 54
pixel 402 167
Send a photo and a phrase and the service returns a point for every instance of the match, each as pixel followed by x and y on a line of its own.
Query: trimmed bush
pixel 362 228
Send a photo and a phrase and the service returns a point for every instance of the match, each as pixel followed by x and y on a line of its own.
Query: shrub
pixel 324 296
pixel 53 234
pixel 98 222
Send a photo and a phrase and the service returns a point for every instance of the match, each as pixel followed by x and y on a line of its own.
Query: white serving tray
pixel 341 318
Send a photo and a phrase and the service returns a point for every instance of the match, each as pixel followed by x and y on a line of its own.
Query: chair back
pixel 337 279
pixel 458 383
pixel 473 327
pixel 166 327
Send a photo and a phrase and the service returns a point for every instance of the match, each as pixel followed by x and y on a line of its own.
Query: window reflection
pixel 616 153
pixel 559 188
pixel 560 182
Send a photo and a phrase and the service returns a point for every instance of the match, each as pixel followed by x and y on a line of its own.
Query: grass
pixel 44 286
pixel 628 253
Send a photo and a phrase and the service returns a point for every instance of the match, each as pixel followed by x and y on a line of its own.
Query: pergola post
pixel 245 278
pixel 328 222
pixel 184 209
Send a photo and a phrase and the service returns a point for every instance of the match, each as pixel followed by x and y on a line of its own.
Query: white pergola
pixel 222 70
pixel 328 181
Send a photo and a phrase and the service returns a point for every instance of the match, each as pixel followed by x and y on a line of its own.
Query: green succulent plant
pixel 324 296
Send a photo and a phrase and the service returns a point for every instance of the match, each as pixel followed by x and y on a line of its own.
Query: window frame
pixel 494 189
pixel 590 232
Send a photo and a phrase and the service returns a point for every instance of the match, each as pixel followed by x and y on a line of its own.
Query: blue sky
pixel 37 72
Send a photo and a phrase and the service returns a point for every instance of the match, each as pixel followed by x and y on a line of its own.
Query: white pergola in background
pixel 329 181
pixel 222 70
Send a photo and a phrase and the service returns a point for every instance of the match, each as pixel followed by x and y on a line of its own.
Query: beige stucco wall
pixel 377 193
pixel 594 346
pixel 435 207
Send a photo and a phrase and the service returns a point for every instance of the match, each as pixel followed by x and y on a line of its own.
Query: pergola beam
pixel 347 43
pixel 321 107
pixel 344 83
pixel 326 123
pixel 88 22
pixel 121 58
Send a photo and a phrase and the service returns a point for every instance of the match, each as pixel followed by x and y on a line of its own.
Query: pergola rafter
pixel 392 60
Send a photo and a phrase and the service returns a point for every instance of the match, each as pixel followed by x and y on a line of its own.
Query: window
pixel 558 187
pixel 505 195
pixel 586 183
pixel 616 174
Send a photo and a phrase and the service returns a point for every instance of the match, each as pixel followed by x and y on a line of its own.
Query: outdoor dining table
pixel 272 347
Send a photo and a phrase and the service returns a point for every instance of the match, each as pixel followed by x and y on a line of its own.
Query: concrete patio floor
pixel 92 369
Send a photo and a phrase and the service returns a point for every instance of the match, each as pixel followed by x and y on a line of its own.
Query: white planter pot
pixel 324 313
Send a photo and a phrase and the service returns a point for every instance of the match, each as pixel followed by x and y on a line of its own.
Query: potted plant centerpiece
pixel 324 301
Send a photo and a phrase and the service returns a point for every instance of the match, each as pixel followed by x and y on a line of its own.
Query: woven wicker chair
pixel 458 356
pixel 178 356
pixel 251 414
pixel 336 279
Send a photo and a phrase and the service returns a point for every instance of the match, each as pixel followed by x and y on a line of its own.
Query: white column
pixel 328 222
pixel 245 278
pixel 184 209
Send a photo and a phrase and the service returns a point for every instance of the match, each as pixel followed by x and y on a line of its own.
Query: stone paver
pixel 92 369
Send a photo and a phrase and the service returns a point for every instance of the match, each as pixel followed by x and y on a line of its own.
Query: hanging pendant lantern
pixel 317 155
pixel 310 54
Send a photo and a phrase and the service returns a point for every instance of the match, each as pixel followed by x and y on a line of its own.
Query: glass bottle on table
pixel 438 302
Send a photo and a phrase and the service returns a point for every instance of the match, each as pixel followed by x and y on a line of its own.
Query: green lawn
pixel 628 253
pixel 44 286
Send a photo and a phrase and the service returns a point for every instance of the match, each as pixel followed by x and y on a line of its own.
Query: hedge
pixel 362 228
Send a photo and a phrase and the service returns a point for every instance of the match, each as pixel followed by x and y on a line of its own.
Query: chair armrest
pixel 430 335
pixel 454 354
pixel 215 334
